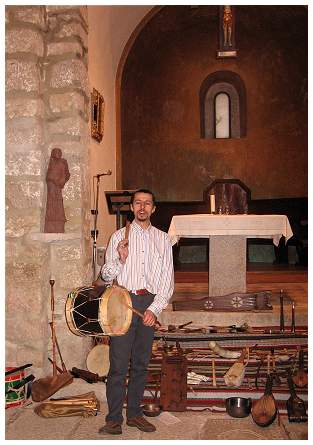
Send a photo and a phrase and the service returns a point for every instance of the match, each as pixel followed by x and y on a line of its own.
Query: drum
pixel 98 360
pixel 14 397
pixel 99 311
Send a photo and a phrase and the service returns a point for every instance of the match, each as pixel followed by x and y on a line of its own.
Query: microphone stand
pixel 94 232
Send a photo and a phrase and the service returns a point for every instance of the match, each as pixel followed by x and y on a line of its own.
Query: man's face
pixel 142 207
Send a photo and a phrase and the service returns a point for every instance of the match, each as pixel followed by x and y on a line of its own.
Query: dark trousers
pixel 132 350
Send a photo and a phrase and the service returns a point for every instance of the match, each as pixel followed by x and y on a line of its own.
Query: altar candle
pixel 212 203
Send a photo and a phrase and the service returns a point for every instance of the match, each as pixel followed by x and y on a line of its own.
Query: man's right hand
pixel 122 249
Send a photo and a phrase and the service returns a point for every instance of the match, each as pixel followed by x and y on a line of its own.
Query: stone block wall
pixel 47 106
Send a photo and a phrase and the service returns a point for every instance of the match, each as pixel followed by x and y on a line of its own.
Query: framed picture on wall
pixel 97 115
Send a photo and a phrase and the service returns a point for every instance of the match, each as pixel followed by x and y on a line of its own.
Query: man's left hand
pixel 149 318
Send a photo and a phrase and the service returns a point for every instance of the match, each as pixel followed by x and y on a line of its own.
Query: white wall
pixel 110 27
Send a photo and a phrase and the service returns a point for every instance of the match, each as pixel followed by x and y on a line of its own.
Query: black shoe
pixel 111 427
pixel 141 423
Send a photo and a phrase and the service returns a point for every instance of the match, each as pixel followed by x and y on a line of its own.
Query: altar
pixel 228 243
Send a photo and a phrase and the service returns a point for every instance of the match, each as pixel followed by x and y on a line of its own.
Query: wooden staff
pixel 58 348
pixel 213 373
pixel 52 327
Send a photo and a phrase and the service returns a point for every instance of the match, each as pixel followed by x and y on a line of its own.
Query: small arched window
pixel 223 106
pixel 222 116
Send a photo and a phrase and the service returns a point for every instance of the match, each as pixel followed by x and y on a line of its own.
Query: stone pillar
pixel 47 103
pixel 227 265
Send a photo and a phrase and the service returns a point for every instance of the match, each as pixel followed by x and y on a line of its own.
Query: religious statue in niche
pixel 227 32
pixel 56 178
pixel 227 25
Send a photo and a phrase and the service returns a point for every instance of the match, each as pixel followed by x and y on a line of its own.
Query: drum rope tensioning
pixel 99 310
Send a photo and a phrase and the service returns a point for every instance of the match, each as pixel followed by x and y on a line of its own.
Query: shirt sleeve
pixel 112 266
pixel 166 287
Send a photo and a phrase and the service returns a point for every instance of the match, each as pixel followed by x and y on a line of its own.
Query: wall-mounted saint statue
pixel 227 44
pixel 57 176
pixel 227 25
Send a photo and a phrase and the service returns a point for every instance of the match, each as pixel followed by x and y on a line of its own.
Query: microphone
pixel 109 172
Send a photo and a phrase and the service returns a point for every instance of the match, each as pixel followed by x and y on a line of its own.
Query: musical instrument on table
pixel 295 406
pixel 264 410
pixel 234 302
pixel 276 378
pixel 173 389
pixel 300 378
pixel 234 376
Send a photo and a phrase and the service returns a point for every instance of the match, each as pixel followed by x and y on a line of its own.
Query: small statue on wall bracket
pixel 227 43
pixel 227 25
pixel 57 176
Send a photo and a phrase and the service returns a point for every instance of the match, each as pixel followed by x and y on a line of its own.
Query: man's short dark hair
pixel 142 191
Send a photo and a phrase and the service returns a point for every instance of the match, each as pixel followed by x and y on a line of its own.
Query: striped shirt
pixel 149 264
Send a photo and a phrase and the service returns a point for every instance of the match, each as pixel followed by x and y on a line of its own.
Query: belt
pixel 140 292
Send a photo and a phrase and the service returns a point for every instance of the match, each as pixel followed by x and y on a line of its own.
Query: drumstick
pixel 51 281
pixel 139 313
pixel 127 228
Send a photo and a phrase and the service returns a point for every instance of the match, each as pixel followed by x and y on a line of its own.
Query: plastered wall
pixel 175 51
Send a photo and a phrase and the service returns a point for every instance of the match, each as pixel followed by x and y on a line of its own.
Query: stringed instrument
pixel 295 406
pixel 300 378
pixel 264 410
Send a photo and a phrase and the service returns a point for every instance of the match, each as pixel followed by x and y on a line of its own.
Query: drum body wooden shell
pixel 104 314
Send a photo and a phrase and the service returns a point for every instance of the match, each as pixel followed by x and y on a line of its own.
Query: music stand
pixel 118 202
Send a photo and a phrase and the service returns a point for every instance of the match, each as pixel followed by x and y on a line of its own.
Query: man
pixel 143 264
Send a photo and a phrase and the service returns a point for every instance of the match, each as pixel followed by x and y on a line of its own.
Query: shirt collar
pixel 139 229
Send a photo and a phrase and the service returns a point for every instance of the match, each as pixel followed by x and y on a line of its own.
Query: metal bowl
pixel 151 410
pixel 238 406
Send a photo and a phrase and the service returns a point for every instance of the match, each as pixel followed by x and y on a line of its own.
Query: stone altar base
pixel 227 265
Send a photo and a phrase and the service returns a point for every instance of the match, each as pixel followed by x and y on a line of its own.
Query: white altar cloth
pixel 250 226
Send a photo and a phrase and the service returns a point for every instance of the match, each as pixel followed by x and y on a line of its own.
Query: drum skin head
pixel 114 315
pixel 69 313
pixel 98 360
